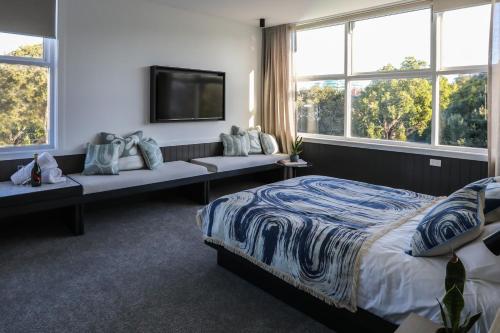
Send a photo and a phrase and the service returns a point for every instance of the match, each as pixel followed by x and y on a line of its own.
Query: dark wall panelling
pixel 188 152
pixel 74 163
pixel 399 170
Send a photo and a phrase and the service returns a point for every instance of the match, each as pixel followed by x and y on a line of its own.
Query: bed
pixel 343 243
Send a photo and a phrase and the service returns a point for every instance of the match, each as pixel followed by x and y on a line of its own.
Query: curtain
pixel 278 110
pixel 494 93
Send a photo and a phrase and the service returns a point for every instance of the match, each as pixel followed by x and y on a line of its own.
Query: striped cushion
pixel 235 145
pixel 269 144
pixel 452 223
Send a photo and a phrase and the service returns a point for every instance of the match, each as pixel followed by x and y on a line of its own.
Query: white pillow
pixel 479 262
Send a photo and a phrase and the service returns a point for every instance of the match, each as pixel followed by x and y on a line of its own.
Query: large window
pixel 26 92
pixel 417 78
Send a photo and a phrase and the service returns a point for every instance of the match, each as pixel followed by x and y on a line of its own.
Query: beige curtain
pixel 494 93
pixel 278 114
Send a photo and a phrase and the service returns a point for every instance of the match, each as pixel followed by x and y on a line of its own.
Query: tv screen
pixel 179 94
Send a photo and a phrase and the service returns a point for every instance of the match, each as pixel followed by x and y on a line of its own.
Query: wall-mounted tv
pixel 179 94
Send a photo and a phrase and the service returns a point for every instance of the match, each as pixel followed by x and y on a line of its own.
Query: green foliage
pixel 464 121
pixel 453 300
pixel 323 107
pixel 23 101
pixel 396 109
pixel 400 109
pixel 297 146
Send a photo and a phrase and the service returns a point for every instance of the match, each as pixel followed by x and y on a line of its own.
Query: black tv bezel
pixel 154 70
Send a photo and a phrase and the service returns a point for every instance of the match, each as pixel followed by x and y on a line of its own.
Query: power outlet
pixel 435 163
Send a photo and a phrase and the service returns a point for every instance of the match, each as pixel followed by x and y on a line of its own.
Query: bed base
pixel 337 319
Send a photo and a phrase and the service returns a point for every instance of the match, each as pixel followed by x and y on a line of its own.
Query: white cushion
pixel 167 171
pixel 229 163
pixel 479 262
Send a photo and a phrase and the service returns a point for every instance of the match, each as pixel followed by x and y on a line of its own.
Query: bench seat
pixel 230 163
pixel 167 172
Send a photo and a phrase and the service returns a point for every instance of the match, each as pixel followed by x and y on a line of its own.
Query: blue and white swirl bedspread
pixel 310 231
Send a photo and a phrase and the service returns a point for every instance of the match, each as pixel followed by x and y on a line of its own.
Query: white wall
pixel 106 48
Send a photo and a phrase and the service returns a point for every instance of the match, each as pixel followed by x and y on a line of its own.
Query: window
pixel 322 51
pixel 383 43
pixel 392 109
pixel 320 107
pixel 417 78
pixel 26 92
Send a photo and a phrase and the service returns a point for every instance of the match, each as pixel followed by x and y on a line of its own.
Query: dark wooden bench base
pixel 337 319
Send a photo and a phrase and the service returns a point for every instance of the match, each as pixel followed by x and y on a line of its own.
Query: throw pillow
pixel 452 223
pixel 492 203
pixel 253 135
pixel 269 144
pixel 235 145
pixel 130 156
pixel 102 159
pixel 151 153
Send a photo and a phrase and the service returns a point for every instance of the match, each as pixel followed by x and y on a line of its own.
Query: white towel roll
pixel 52 176
pixel 45 161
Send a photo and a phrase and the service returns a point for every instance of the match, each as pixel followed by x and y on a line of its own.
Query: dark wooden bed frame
pixel 340 320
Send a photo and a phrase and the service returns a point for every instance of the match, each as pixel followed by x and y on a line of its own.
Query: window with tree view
pixel 415 77
pixel 26 64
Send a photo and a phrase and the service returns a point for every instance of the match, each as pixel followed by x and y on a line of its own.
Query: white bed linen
pixel 393 284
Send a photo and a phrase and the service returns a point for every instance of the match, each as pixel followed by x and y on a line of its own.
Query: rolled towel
pixel 45 161
pixel 52 176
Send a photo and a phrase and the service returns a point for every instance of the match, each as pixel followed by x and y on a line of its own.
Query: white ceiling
pixel 274 11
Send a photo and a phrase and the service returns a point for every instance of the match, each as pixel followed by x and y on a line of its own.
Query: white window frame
pixel 49 61
pixel 432 73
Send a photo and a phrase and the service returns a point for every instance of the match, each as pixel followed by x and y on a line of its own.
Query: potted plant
pixel 296 149
pixel 453 301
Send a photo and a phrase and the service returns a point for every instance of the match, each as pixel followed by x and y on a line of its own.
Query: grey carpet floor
pixel 140 267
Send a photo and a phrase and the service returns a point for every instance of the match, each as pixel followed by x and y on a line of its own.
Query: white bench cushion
pixel 228 163
pixel 167 171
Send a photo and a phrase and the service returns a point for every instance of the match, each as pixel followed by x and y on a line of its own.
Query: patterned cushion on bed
pixel 235 145
pixel 454 222
pixel 492 203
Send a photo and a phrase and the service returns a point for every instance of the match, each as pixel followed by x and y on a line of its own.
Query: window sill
pixel 475 154
pixel 24 152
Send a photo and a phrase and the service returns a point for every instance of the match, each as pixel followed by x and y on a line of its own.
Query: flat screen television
pixel 179 94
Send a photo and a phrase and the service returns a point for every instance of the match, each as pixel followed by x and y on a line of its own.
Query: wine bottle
pixel 36 173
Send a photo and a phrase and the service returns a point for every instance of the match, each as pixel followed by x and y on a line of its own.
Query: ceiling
pixel 274 11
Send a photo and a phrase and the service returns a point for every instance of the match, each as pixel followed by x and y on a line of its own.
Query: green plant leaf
pixel 443 317
pixel 454 303
pixel 455 274
pixel 470 322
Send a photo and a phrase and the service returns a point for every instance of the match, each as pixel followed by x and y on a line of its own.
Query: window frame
pixel 432 73
pixel 49 61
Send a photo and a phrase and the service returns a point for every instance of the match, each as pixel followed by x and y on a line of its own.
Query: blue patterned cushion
pixel 452 223
pixel 492 203
pixel 151 153
pixel 102 159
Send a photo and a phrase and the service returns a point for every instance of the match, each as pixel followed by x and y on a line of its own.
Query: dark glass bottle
pixel 36 174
